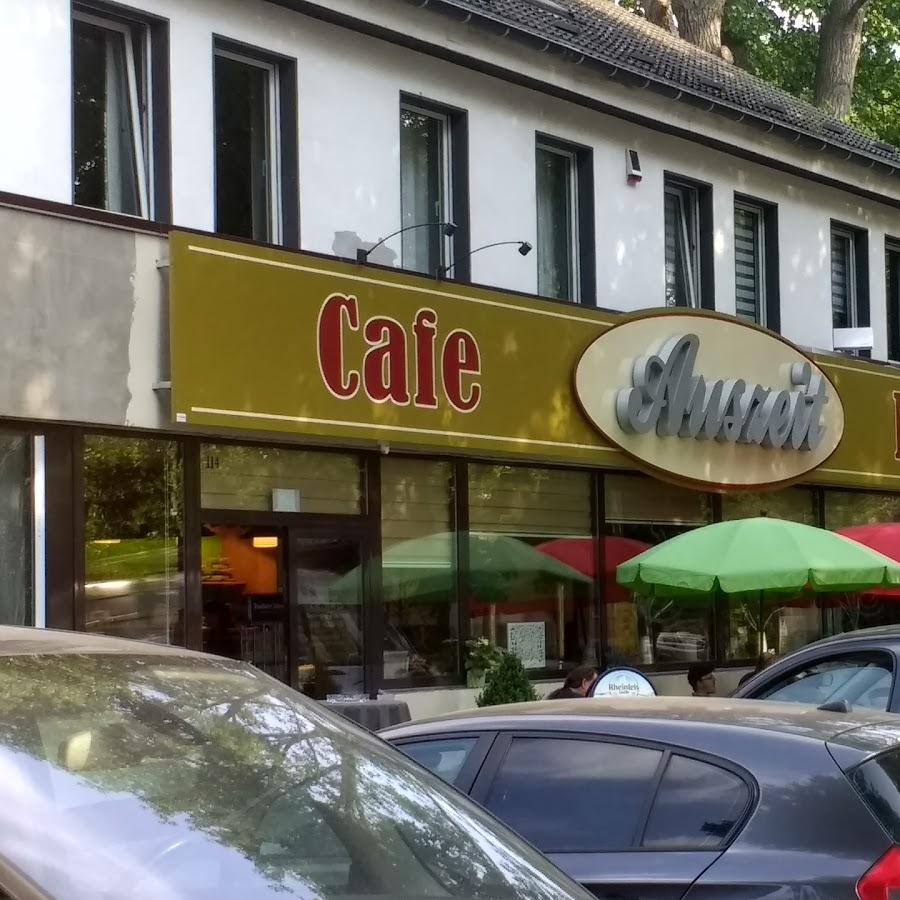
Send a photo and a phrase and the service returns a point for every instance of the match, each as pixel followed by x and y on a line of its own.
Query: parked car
pixel 860 667
pixel 139 771
pixel 670 798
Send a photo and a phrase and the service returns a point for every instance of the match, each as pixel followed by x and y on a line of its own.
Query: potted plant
pixel 507 682
pixel 481 657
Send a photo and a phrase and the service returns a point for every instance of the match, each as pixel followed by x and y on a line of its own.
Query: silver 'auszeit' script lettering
pixel 669 398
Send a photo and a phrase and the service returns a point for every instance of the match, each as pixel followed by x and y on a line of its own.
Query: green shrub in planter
pixel 507 682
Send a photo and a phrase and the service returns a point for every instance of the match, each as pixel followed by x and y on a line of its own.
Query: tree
pixel 840 42
pixel 841 55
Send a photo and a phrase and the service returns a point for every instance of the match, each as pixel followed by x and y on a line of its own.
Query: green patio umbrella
pixel 423 566
pixel 769 557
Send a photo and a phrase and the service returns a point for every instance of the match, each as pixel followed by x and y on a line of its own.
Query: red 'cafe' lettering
pixel 384 372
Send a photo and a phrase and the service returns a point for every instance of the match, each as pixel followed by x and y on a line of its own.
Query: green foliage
pixel 482 655
pixel 779 42
pixel 507 682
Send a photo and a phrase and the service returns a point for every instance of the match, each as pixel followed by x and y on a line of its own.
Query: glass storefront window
pixel 419 572
pixel 772 626
pixel 273 479
pixel 520 595
pixel 16 529
pixel 641 513
pixel 847 509
pixel 133 555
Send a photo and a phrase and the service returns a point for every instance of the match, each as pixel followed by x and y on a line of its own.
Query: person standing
pixel 702 679
pixel 578 682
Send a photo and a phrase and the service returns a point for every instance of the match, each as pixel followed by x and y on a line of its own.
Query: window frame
pixel 892 250
pixel 844 234
pixel 573 209
pixel 858 287
pixel 768 266
pixel 445 179
pixel 481 789
pixel 282 172
pixel 454 181
pixel 142 130
pixel 698 197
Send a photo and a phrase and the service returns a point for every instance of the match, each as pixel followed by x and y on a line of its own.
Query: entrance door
pixel 244 590
pixel 328 587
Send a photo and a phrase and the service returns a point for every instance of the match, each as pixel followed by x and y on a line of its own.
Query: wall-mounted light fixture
pixel 265 542
pixel 524 249
pixel 448 229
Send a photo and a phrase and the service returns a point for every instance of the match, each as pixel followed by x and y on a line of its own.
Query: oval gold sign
pixel 710 401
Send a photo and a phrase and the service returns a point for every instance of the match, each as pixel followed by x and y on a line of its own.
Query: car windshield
pixel 179 776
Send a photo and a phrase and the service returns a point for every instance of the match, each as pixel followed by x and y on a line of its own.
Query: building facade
pixel 191 455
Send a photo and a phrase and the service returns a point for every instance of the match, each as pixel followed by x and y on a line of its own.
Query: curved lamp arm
pixel 524 249
pixel 447 228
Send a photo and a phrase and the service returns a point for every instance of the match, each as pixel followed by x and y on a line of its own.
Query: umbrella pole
pixel 560 622
pixel 492 624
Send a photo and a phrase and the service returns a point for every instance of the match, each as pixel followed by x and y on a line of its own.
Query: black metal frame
pixel 65 604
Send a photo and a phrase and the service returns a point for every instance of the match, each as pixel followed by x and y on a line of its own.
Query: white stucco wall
pixel 349 90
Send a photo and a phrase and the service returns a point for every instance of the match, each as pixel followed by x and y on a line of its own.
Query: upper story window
pixel 849 278
pixel 113 124
pixel 688 244
pixel 433 175
pixel 256 145
pixel 756 262
pixel 892 275
pixel 565 220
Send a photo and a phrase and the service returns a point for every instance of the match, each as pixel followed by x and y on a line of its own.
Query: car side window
pixel 862 679
pixel 697 806
pixel 445 758
pixel 574 796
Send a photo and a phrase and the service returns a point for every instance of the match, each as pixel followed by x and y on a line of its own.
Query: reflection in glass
pixel 16 552
pixel 188 777
pixel 520 597
pixel 418 565
pixel 423 194
pixel 641 629
pixel 327 580
pixel 272 479
pixel 556 222
pixel 243 585
pixel 848 509
pixel 771 626
pixel 133 554
pixel 245 167
pixel 108 128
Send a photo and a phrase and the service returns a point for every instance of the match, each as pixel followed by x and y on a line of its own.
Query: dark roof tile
pixel 608 34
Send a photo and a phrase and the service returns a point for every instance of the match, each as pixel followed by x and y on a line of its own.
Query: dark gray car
pixel 859 667
pixel 664 798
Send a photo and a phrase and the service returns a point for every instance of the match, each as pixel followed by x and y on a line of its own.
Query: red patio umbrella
pixel 581 555
pixel 883 537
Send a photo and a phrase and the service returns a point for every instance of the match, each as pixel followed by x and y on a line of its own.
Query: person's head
pixel 702 678
pixel 581 679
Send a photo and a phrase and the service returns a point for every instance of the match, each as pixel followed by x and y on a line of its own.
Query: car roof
pixel 674 713
pixel 886 633
pixel 28 641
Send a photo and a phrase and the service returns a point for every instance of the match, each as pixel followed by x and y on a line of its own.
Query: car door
pixel 864 678
pixel 628 820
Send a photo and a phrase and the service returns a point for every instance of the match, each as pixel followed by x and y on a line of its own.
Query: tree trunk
pixel 700 23
pixel 659 12
pixel 840 41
